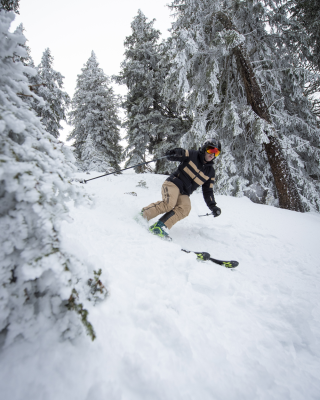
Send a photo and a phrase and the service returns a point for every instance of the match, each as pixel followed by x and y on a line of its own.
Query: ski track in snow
pixel 172 327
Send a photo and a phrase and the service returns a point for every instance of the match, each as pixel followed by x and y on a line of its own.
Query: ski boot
pixel 159 229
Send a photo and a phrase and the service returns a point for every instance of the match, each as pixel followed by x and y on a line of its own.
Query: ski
pixel 203 256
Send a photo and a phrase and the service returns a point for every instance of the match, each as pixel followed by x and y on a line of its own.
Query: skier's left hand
pixel 216 211
pixel 170 153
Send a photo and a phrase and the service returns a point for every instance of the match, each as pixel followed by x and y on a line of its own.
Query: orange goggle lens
pixel 213 150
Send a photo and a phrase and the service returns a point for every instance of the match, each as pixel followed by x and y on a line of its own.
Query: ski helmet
pixel 210 142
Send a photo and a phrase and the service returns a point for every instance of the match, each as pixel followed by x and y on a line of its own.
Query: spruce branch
pixel 73 305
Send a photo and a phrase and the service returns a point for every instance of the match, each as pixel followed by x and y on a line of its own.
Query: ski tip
pixel 230 264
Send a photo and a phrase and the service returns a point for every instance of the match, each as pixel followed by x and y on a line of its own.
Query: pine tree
pixel 34 101
pixel 24 59
pixel 95 119
pixel 169 124
pixel 56 101
pixel 39 281
pixel 232 74
pixel 153 124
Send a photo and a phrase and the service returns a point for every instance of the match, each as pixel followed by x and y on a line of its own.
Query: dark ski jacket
pixel 192 173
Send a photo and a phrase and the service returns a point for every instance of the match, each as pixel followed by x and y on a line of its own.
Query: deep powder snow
pixel 173 327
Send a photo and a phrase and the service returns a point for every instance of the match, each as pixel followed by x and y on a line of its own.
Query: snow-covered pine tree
pixel 24 59
pixel 232 76
pixel 152 123
pixel 39 281
pixel 34 101
pixel 51 90
pixel 137 72
pixel 94 116
pixel 168 125
pixel 38 103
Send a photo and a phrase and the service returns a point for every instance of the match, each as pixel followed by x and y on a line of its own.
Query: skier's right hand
pixel 216 211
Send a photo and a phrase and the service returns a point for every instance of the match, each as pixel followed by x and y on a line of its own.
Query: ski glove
pixel 216 211
pixel 170 153
pixel 175 153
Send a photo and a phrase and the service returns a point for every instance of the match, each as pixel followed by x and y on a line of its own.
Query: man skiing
pixel 196 169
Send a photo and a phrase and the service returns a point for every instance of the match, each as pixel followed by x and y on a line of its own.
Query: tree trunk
pixel 288 194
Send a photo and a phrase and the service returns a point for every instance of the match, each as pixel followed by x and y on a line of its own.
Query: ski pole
pixel 114 172
pixel 205 215
pixel 214 216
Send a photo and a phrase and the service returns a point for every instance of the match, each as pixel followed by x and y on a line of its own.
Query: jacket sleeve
pixel 207 190
pixel 180 155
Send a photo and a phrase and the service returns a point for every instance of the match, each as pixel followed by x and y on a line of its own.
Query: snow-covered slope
pixel 174 328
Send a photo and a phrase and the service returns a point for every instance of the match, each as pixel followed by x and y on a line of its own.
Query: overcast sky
pixel 73 28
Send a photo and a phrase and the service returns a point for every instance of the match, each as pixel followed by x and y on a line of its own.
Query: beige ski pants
pixel 175 205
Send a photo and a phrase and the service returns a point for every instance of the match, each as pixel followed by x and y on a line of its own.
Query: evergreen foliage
pixel 296 29
pixel 307 12
pixel 24 59
pixel 50 88
pixel 210 83
pixel 37 278
pixel 34 101
pixel 299 20
pixel 297 24
pixel 95 159
pixel 95 119
pixel 10 5
pixel 152 122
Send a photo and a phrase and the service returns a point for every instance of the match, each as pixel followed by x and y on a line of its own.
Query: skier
pixel 196 169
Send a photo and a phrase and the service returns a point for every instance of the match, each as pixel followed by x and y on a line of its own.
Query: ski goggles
pixel 213 150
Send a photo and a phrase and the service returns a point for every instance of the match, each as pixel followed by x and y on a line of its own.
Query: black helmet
pixel 210 142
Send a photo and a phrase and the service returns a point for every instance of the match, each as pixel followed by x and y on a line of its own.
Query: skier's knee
pixel 186 210
pixel 168 207
pixel 182 212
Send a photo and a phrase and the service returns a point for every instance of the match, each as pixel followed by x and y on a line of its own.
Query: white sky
pixel 73 28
